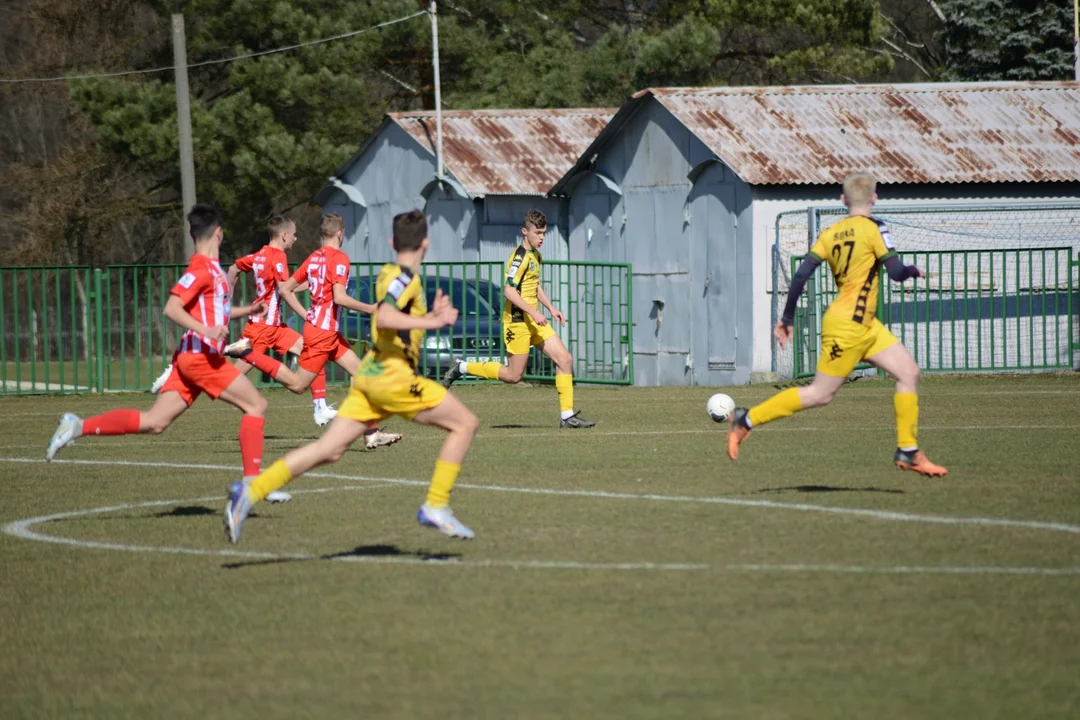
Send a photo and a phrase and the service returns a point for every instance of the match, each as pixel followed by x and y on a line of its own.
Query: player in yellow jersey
pixel 524 326
pixel 855 249
pixel 386 384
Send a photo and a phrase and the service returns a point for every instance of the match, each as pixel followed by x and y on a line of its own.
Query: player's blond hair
pixel 278 224
pixel 331 225
pixel 859 189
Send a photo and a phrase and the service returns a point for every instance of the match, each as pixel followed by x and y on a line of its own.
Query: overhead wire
pixel 170 68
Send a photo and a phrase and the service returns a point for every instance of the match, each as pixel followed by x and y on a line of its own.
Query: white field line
pixel 23 529
pixel 620 433
pixel 607 495
pixel 753 390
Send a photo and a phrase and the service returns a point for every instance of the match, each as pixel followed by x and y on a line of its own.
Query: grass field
pixel 629 571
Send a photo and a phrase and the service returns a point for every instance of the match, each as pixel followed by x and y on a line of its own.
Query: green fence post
pixel 99 339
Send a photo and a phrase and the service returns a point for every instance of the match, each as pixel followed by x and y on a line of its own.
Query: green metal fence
pixel 1009 310
pixel 73 329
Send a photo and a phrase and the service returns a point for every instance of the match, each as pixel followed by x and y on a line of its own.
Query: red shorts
pixel 195 373
pixel 270 337
pixel 320 347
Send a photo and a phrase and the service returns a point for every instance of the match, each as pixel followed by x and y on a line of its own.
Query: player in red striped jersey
pixel 266 330
pixel 199 303
pixel 325 273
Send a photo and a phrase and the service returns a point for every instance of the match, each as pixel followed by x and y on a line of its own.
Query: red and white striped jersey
pixel 323 269
pixel 204 290
pixel 269 267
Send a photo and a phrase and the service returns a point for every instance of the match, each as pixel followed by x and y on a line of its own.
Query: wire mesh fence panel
pixel 46 325
pixel 73 329
pixel 1007 235
pixel 1008 310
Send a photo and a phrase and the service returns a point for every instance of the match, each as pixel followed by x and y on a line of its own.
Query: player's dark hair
pixel 410 229
pixel 277 224
pixel 203 220
pixel 535 218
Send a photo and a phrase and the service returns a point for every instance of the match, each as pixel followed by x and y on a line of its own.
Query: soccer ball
pixel 719 407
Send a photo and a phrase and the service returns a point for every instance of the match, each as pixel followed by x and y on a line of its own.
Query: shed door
pixel 714 285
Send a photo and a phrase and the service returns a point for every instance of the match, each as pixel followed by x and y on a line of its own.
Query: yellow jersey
pixel 522 274
pixel 401 288
pixel 855 249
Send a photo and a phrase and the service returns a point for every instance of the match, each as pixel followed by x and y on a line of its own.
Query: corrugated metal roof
pixel 926 133
pixel 508 152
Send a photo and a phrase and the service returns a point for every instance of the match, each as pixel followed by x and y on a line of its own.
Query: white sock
pixel 566 414
pixel 909 449
pixel 320 404
pixel 463 367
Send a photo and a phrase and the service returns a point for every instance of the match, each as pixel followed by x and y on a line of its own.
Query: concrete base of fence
pixel 758 378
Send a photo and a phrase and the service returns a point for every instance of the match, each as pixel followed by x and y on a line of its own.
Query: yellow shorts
pixel 845 344
pixel 520 336
pixel 378 391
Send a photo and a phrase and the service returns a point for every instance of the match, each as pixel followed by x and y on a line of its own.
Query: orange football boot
pixel 916 460
pixel 737 431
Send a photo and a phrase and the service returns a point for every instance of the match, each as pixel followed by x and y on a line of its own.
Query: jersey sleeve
pixel 516 267
pixel 337 271
pixel 818 251
pixel 401 290
pixel 190 285
pixel 245 263
pixel 881 242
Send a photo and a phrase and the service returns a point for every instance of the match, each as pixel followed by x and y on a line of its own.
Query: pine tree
pixel 1008 40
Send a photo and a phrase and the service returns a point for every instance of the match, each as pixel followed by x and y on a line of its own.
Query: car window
pixel 463 294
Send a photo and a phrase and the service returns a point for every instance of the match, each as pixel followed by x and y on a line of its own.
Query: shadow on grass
pixel 187 511
pixel 360 551
pixel 513 426
pixel 829 488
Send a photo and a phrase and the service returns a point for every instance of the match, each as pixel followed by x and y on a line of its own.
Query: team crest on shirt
pixel 280 268
pixel 187 279
pixel 532 266
pixel 341 270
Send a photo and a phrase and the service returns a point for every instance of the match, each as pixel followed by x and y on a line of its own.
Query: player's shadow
pixel 828 489
pixel 187 511
pixel 360 551
pixel 513 426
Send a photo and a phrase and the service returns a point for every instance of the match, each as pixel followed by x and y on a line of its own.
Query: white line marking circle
pixel 22 529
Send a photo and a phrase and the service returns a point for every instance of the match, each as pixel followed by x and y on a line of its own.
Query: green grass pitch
pixel 629 571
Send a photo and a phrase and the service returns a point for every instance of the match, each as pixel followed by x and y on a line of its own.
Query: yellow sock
pixel 564 383
pixel 781 405
pixel 907 420
pixel 272 478
pixel 442 482
pixel 489 370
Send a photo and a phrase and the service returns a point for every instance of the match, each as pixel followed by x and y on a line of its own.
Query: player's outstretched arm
pixel 175 312
pixel 238 311
pixel 388 317
pixel 233 272
pixel 899 272
pixel 287 290
pixel 514 297
pixel 342 298
pixel 543 298
pixel 798 284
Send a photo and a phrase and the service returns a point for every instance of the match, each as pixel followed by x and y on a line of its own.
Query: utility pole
pixel 1076 40
pixel 183 119
pixel 438 91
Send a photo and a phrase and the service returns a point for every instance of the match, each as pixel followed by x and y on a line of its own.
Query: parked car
pixel 475 337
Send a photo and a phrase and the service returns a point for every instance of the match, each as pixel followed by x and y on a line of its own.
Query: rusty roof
pixel 924 133
pixel 508 152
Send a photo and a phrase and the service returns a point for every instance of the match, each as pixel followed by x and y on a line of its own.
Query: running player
pixel 855 249
pixel 386 384
pixel 325 273
pixel 524 326
pixel 199 303
pixel 266 330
